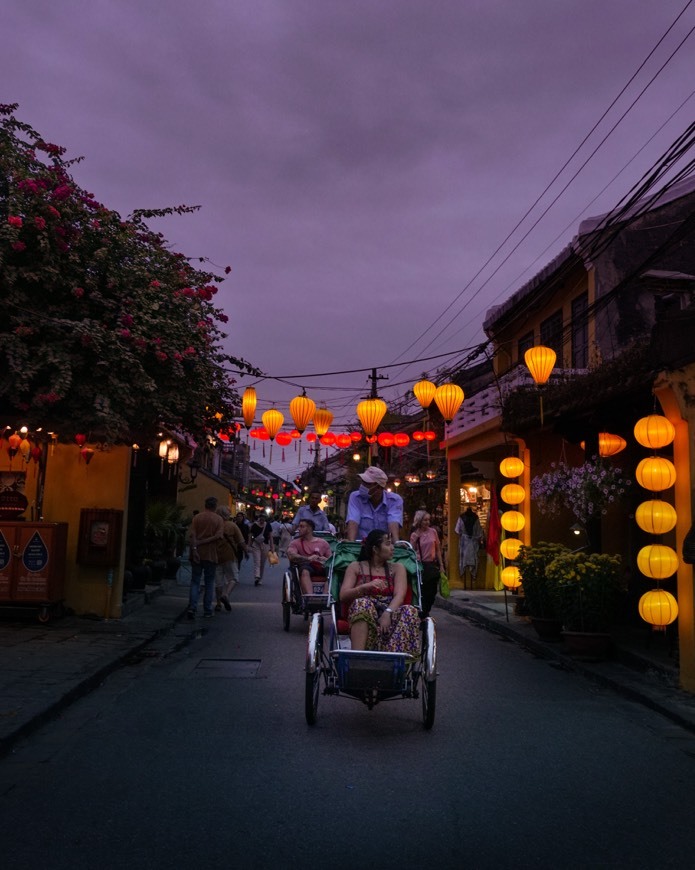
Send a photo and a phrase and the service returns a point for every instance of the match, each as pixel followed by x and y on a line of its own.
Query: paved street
pixel 201 756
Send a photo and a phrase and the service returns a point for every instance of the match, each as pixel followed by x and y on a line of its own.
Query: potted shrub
pixel 533 562
pixel 586 589
pixel 163 526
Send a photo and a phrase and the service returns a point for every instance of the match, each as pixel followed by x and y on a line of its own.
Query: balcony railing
pixel 487 404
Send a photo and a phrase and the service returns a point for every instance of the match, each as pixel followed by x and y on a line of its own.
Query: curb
pixel 680 710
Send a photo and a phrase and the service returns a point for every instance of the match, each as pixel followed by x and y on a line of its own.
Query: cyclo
pixel 366 675
pixel 296 602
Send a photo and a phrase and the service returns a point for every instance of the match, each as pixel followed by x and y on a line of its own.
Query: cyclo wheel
pixel 286 610
pixel 429 673
pixel 312 679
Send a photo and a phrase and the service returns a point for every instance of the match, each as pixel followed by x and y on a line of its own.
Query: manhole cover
pixel 237 668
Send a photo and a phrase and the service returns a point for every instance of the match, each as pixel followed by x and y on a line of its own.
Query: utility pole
pixel 374 378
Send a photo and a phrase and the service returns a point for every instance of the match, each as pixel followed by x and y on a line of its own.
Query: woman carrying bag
pixel 425 541
pixel 261 535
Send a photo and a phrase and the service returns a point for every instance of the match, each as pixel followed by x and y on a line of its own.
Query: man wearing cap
pixel 372 507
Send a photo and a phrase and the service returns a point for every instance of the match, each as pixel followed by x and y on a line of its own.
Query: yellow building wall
pixel 71 485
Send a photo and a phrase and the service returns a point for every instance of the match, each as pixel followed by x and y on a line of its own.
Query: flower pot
pixel 547 628
pixel 590 646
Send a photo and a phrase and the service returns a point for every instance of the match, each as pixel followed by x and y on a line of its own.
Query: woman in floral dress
pixel 376 588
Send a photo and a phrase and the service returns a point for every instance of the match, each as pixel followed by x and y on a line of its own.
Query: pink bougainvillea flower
pixel 127 320
pixel 78 292
pixel 223 318
pixel 188 291
pixel 140 343
pixel 189 351
pixel 53 211
pixel 124 333
pixel 161 356
pixel 177 356
pixel 18 246
pixel 14 220
pixel 154 284
pixel 39 223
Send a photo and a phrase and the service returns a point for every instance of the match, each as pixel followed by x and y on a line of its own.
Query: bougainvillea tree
pixel 104 328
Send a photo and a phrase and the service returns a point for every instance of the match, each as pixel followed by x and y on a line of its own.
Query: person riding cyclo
pixel 309 554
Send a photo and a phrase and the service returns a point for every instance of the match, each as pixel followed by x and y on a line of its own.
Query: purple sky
pixel 357 161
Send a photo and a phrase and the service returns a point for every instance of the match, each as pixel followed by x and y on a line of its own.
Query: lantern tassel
pixel 283 454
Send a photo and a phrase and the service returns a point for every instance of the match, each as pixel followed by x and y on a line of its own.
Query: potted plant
pixel 586 589
pixel 163 526
pixel 533 562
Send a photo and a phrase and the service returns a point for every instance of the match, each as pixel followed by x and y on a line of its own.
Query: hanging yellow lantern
pixel 164 448
pixel 424 392
pixel 512 493
pixel 656 473
pixel 448 398
pixel 654 431
pixel 302 410
pixel 657 561
pixel 658 607
pixel 656 517
pixel 540 361
pixel 371 413
pixel 272 420
pixel 512 521
pixel 511 577
pixel 609 445
pixel 322 421
pixel 511 466
pixel 510 547
pixel 248 406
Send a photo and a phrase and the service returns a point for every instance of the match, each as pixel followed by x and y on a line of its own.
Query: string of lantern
pixel 512 521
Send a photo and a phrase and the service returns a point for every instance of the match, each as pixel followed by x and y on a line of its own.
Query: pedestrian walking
pixel 228 548
pixel 261 535
pixel 206 529
pixel 425 541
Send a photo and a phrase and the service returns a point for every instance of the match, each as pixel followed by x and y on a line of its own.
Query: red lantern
pixel 223 436
pixel 400 439
pixel 80 440
pixel 418 435
pixel 343 440
pixel 371 439
pixel 87 454
pixel 311 436
pixel 328 440
pixel 386 439
pixel 253 433
pixel 283 439
pixel 295 433
pixel 36 453
pixel 356 437
pixel 263 434
pixel 430 435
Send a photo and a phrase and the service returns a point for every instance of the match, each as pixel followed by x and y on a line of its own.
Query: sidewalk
pixel 44 668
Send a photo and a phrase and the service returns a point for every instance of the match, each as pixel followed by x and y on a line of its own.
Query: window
pixel 525 342
pixel 551 334
pixel 580 332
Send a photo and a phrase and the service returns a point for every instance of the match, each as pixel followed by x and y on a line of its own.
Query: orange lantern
pixel 658 607
pixel 25 449
pixel 654 431
pixel 295 433
pixel 656 473
pixel 510 547
pixel 424 392
pixel 401 439
pixel 418 435
pixel 657 561
pixel 656 517
pixel 512 521
pixel 343 440
pixel 609 445
pixel 511 466
pixel 302 410
pixel 386 439
pixel 248 406
pixel 511 577
pixel 371 413
pixel 322 421
pixel 272 420
pixel 448 398
pixel 512 493
pixel 540 361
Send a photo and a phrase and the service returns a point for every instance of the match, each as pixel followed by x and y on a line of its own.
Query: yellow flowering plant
pixel 585 589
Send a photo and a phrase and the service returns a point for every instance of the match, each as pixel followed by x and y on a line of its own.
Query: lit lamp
pixel 511 466
pixel 512 521
pixel 512 493
pixel 302 410
pixel 658 607
pixel 654 431
pixel 370 413
pixel 424 392
pixel 610 445
pixel 540 361
pixel 248 406
pixel 510 548
pixel 322 421
pixel 656 517
pixel 511 577
pixel 448 398
pixel 657 561
pixel 656 473
pixel 163 452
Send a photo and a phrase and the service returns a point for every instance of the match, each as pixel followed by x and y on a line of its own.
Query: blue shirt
pixel 319 518
pixel 360 510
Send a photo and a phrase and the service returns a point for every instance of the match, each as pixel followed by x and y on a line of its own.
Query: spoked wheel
pixel 312 677
pixel 429 672
pixel 429 701
pixel 286 611
pixel 286 600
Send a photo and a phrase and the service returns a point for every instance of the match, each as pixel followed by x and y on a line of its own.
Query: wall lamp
pixel 193 467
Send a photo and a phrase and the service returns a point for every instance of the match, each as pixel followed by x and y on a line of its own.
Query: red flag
pixel 494 528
